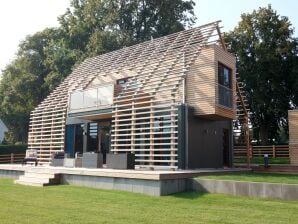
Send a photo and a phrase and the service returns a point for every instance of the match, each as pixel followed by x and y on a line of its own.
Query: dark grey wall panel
pixel 205 142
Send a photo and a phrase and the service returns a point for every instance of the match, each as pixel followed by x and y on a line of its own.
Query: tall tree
pixel 22 84
pixel 122 22
pixel 266 59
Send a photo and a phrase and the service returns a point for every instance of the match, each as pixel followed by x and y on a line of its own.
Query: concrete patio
pixel 159 182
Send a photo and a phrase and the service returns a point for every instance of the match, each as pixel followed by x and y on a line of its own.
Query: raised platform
pixel 139 181
pixel 246 188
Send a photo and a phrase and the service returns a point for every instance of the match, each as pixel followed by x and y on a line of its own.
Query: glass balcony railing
pixel 90 99
pixel 225 96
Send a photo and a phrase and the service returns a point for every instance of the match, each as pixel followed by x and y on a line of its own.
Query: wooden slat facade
pixel 162 74
pixel 293 136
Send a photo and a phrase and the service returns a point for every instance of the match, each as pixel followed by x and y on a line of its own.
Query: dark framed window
pixel 224 76
pixel 121 82
pixel 225 93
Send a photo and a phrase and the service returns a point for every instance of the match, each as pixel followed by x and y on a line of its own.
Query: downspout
pixel 185 114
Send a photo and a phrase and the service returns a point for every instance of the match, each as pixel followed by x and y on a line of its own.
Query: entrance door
pixel 99 137
pixel 226 147
pixel 93 137
pixel 104 142
pixel 79 138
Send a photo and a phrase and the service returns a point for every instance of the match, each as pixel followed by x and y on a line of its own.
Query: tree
pixel 267 64
pixel 123 22
pixel 22 84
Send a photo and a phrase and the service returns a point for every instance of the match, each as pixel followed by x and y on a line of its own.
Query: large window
pixel 225 93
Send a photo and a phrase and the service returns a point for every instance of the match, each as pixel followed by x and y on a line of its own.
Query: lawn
pixel 71 204
pixel 257 177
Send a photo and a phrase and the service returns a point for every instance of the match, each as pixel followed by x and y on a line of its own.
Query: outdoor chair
pixel 31 157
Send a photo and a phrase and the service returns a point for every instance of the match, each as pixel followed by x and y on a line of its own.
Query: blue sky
pixel 19 18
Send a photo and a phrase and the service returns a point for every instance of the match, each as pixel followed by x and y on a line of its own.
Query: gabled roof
pixel 189 42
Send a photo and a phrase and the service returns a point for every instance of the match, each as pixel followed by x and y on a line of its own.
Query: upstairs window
pixel 122 82
pixel 225 93
pixel 224 76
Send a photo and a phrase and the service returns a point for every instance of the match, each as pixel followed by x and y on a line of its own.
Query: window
pixel 225 92
pixel 224 76
pixel 121 82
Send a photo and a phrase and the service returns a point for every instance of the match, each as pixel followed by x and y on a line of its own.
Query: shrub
pixel 6 149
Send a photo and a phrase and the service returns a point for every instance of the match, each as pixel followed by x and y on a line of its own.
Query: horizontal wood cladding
pixel 224 112
pixel 227 59
pixel 200 83
pixel 293 136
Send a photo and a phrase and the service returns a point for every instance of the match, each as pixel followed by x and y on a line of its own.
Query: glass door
pixel 93 137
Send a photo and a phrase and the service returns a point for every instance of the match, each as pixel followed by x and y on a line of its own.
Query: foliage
pixel 88 28
pixel 71 204
pixel 267 60
pixel 6 149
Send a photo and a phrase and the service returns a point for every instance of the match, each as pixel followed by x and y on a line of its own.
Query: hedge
pixel 6 149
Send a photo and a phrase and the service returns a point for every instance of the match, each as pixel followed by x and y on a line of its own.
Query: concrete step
pixel 34 180
pixel 38 178
pixel 29 183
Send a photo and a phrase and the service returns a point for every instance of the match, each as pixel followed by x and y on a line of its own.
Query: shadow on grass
pixel 190 195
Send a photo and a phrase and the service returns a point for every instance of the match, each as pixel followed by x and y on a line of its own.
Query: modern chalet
pixel 169 101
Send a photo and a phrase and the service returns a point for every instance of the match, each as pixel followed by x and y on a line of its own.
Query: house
pixel 170 101
pixel 3 129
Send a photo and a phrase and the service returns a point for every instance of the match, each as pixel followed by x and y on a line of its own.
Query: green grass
pixel 260 160
pixel 257 177
pixel 71 204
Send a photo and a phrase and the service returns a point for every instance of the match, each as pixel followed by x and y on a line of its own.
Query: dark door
pixel 104 135
pixel 93 137
pixel 226 147
pixel 79 138
pixel 70 137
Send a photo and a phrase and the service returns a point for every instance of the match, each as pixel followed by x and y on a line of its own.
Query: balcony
pixel 225 96
pixel 91 99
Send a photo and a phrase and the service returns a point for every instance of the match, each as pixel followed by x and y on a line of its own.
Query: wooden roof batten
pixel 164 58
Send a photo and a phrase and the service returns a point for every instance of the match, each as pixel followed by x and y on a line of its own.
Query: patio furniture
pixel 121 161
pixel 72 162
pixel 31 157
pixel 57 159
pixel 92 160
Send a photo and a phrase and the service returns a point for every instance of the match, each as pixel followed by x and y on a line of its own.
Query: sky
pixel 19 18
